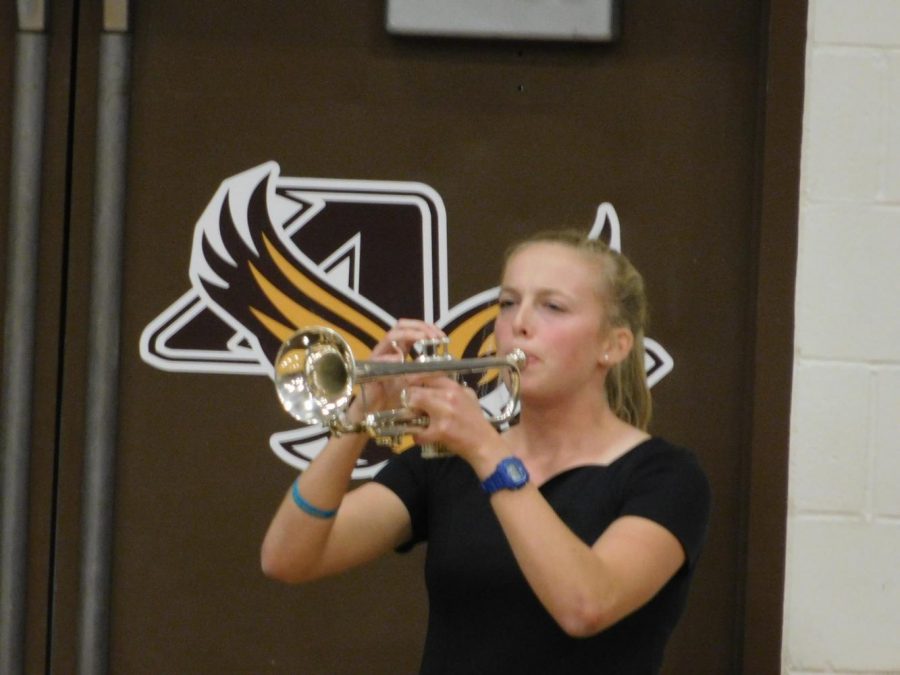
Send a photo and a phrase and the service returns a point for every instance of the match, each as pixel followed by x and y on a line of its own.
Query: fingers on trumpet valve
pixel 407 332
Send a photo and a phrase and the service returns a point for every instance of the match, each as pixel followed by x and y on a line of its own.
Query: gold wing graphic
pixel 254 276
pixel 297 315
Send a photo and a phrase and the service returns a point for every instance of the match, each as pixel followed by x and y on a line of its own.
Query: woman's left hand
pixel 456 419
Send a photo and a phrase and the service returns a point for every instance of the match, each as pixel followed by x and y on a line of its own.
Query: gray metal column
pixel 29 97
pixel 103 349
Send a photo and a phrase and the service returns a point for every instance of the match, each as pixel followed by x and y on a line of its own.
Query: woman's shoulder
pixel 656 454
pixel 666 483
pixel 658 447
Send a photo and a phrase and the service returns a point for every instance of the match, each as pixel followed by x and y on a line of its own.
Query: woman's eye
pixel 505 303
pixel 554 307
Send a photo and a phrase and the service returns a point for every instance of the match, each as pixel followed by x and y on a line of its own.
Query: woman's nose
pixel 521 320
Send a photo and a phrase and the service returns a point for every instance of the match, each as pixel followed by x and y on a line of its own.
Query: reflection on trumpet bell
pixel 315 374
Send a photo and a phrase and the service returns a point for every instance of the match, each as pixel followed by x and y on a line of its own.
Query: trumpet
pixel 315 374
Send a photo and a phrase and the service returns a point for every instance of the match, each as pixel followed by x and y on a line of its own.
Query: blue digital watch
pixel 510 474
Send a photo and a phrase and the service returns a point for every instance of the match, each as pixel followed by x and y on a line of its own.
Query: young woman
pixel 565 544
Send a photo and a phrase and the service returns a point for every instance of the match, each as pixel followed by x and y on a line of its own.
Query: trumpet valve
pixel 432 349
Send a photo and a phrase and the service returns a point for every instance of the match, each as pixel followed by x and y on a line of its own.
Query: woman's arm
pixel 585 588
pixel 370 521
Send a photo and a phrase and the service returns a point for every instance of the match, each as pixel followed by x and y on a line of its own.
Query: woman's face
pixel 550 308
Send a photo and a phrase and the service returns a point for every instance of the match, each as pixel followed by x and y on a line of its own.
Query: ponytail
pixel 626 388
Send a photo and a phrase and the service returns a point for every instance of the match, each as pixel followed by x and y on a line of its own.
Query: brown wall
pixel 671 124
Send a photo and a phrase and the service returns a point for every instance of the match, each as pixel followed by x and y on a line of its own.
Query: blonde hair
pixel 622 292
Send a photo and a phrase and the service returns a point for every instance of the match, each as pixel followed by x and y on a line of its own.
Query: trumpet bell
pixel 314 375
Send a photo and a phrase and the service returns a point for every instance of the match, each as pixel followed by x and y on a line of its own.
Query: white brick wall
pixel 842 596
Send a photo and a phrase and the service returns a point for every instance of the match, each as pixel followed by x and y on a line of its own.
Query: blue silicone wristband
pixel 306 507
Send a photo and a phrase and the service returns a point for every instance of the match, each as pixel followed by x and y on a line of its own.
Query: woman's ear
pixel 617 346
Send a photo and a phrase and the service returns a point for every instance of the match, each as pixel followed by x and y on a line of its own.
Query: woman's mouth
pixel 530 360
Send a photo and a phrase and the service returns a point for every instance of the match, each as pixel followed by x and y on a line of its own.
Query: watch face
pixel 516 472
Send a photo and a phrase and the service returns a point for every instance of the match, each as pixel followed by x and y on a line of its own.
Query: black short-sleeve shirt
pixel 483 616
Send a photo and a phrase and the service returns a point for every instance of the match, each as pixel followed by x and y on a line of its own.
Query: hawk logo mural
pixel 271 254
